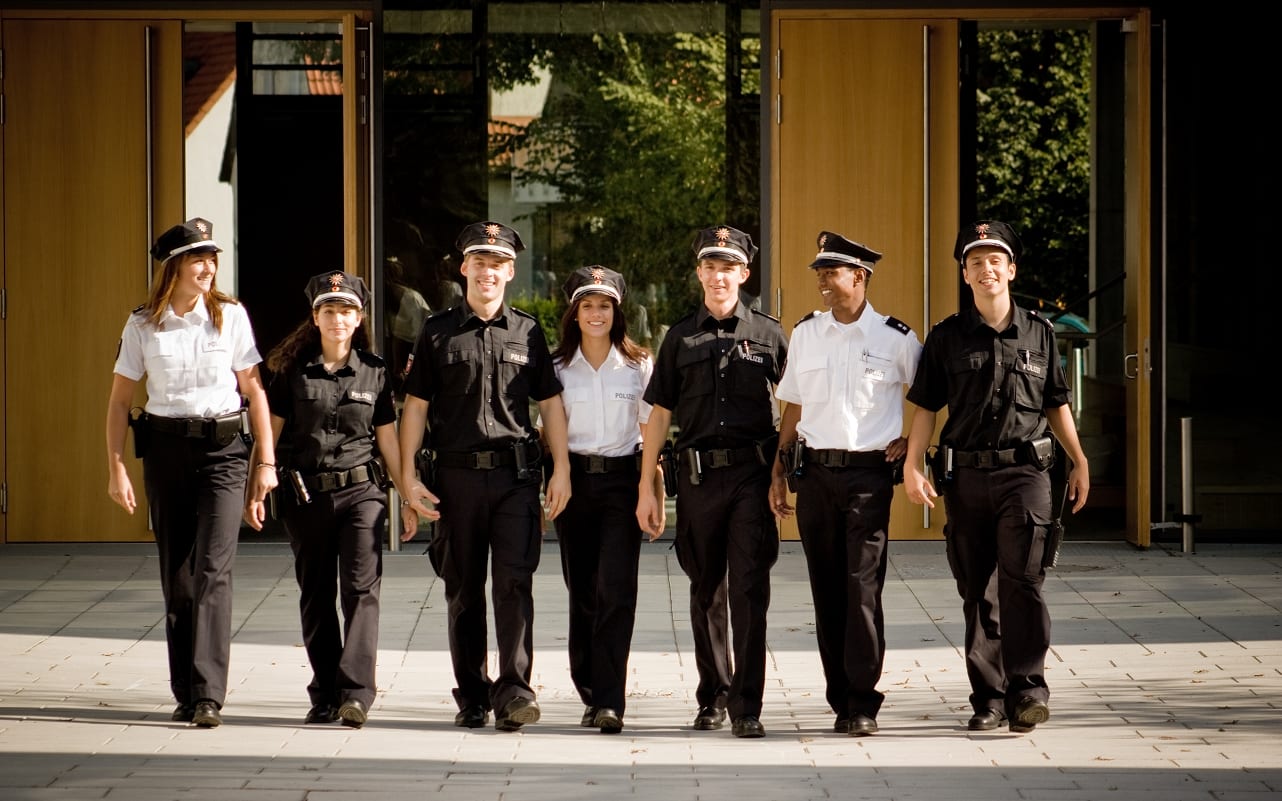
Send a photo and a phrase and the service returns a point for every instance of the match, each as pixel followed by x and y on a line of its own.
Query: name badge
pixel 516 357
pixel 212 345
pixel 624 396
pixel 1033 369
pixel 361 396
pixel 755 359
pixel 875 374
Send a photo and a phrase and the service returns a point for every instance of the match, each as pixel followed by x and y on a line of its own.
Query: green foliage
pixel 547 311
pixel 1033 150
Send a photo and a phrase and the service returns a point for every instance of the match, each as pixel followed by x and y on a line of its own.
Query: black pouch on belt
pixel 141 425
pixel 225 429
pixel 1040 452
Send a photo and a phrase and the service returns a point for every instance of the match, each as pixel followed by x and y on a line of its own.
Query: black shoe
pixel 353 713
pixel 608 721
pixel 589 717
pixel 841 725
pixel 748 726
pixel 183 713
pixel 861 724
pixel 1028 713
pixel 206 715
pixel 987 720
pixel 709 718
pixel 320 713
pixel 471 717
pixel 516 713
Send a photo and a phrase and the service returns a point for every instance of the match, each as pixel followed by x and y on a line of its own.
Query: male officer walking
pixel 997 369
pixel 474 370
pixel 714 373
pixel 840 442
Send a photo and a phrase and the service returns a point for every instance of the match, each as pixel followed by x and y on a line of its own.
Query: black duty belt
pixel 592 463
pixel 834 458
pixel 327 482
pixel 725 457
pixel 487 460
pixel 989 459
pixel 193 427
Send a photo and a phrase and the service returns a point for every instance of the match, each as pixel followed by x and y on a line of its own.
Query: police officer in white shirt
pixel 196 348
pixel 841 439
pixel 604 374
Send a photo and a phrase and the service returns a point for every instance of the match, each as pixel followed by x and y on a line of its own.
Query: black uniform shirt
pixel 716 377
pixel 330 417
pixel 995 384
pixel 479 376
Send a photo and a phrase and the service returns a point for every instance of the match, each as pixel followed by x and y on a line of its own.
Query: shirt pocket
pixel 516 364
pixel 812 379
pixel 214 359
pixel 164 352
pixel 697 365
pixel 1030 379
pixel 460 371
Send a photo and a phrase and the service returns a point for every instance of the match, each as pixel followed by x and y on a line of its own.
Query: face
pixel 595 315
pixel 487 275
pixel 841 286
pixel 195 273
pixel 336 320
pixel 721 279
pixel 988 271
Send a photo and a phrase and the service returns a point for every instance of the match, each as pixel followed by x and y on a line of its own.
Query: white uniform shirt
pixel 603 407
pixel 190 366
pixel 849 380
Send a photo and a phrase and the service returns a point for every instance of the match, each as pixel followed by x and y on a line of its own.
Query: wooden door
pixel 76 235
pixel 865 146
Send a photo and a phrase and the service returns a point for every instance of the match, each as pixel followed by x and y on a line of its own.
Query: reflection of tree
pixel 1034 167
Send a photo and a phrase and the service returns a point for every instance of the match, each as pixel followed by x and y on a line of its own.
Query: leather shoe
pixel 709 718
pixel 320 713
pixel 608 721
pixel 986 720
pixel 589 717
pixel 471 717
pixel 183 713
pixel 516 713
pixel 1028 713
pixel 861 724
pixel 206 715
pixel 841 725
pixel 353 713
pixel 748 726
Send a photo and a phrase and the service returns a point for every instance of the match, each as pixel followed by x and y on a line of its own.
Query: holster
pixel 695 465
pixel 525 469
pixel 140 424
pixel 794 462
pixel 940 461
pixel 425 463
pixel 1040 452
pixel 379 473
pixel 671 469
pixel 301 495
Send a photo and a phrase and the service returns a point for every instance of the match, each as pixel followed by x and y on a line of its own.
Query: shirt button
pixel 723 375
pixel 723 400
pixel 722 423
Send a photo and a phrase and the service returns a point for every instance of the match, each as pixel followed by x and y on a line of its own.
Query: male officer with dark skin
pixel 715 373
pixel 844 384
pixel 996 367
pixel 473 372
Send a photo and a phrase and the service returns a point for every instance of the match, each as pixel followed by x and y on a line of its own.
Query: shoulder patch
pixel 763 314
pixel 139 309
pixel 952 316
pixel 803 319
pixel 898 325
pixel 372 359
pixel 1034 314
pixel 522 313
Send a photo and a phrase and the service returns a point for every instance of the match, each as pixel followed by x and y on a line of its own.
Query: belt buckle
pixel 718 458
pixel 596 463
pixel 986 459
pixel 195 427
pixel 483 460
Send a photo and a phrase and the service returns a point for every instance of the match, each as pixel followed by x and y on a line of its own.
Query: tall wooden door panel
pixel 76 263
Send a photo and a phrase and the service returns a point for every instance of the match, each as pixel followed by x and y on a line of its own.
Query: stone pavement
pixel 1166 680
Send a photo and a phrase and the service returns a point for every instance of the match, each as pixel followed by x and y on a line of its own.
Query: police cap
pixel 836 250
pixel 336 287
pixel 197 234
pixel 988 233
pixel 595 278
pixel 490 237
pixel 724 242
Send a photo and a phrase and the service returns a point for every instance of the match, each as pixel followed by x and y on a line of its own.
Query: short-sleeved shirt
pixel 190 365
pixel 995 384
pixel 849 379
pixel 717 377
pixel 479 376
pixel 604 406
pixel 330 417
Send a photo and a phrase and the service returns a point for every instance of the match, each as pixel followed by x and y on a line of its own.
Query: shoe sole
pixel 519 718
pixel 353 717
pixel 608 724
pixel 1027 717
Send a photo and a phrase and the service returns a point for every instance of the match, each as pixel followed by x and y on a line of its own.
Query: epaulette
pixel 372 359
pixel 140 308
pixel 898 325
pixel 807 317
pixel 946 319
pixel 1037 316
pixel 523 313
pixel 763 314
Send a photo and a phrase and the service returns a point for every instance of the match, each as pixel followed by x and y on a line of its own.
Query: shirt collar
pixel 201 311
pixel 703 316
pixel 614 359
pixel 466 318
pixel 971 319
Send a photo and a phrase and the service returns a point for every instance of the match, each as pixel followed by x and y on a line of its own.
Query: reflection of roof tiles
pixel 214 57
pixel 323 82
pixel 501 132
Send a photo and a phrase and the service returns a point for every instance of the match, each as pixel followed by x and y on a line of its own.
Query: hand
pixel 255 513
pixel 557 494
pixel 650 513
pixel 262 480
pixel 779 497
pixel 422 502
pixel 121 491
pixel 897 449
pixel 409 521
pixel 1079 486
pixel 918 487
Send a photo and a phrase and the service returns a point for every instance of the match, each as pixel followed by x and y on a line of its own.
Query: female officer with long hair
pixel 604 374
pixel 331 407
pixel 196 347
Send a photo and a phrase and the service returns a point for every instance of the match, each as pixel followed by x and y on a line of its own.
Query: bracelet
pixel 265 464
pixel 404 502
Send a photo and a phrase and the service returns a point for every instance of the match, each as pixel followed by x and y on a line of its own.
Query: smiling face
pixel 841 287
pixel 337 321
pixel 988 271
pixel 194 275
pixel 721 279
pixel 487 276
pixel 595 315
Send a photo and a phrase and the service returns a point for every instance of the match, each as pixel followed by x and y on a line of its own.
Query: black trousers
pixel 195 493
pixel 995 535
pixel 489 517
pixel 727 541
pixel 600 549
pixel 337 541
pixel 842 516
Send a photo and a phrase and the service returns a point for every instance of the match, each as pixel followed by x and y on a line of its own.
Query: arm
pixel 1079 478
pixel 413 423
pixel 556 435
pixel 389 449
pixel 256 508
pixel 262 480
pixel 915 481
pixel 650 510
pixel 119 487
pixel 778 479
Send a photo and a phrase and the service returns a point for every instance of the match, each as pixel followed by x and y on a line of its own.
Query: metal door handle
pixel 1128 361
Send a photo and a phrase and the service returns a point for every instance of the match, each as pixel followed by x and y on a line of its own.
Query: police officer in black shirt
pixel 715 374
pixel 331 404
pixel 996 367
pixel 473 372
